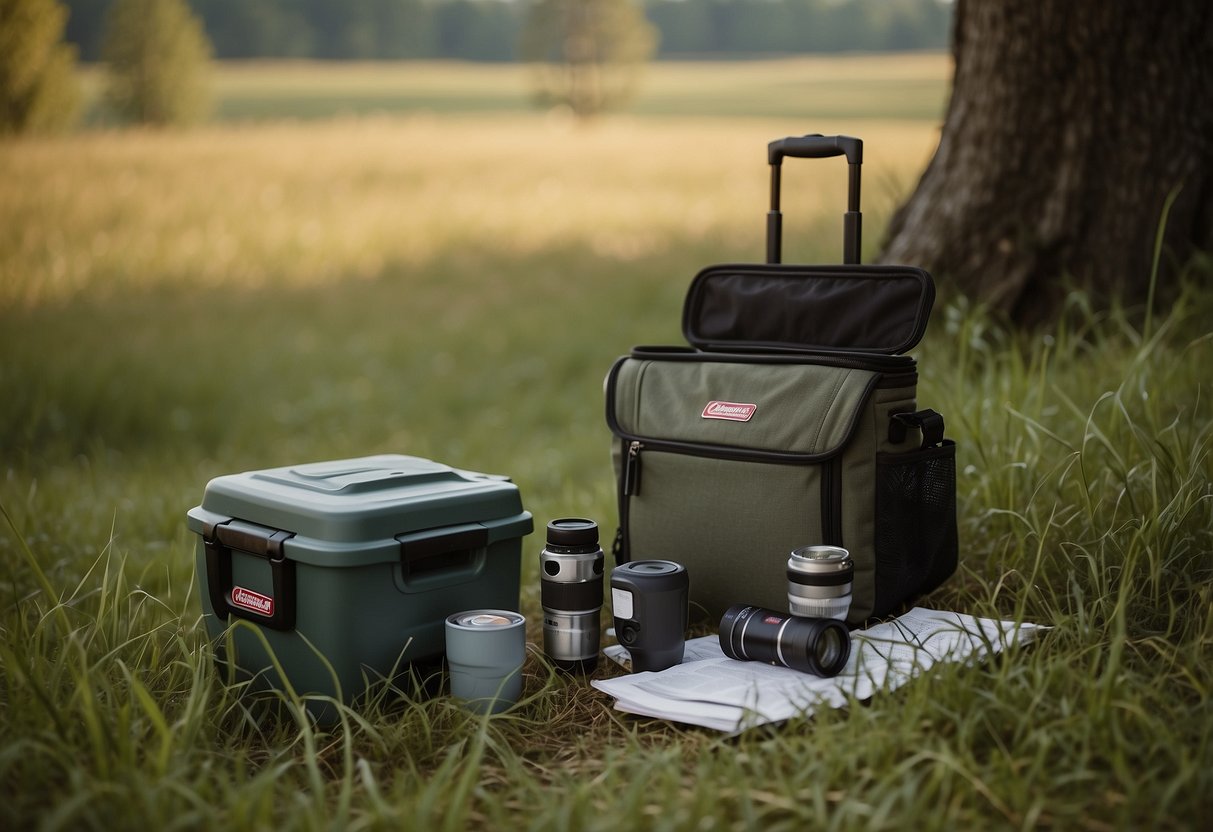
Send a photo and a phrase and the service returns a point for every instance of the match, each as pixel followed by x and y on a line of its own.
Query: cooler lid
pixel 373 499
pixel 876 309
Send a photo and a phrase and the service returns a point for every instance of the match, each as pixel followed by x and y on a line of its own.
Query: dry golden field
pixel 306 201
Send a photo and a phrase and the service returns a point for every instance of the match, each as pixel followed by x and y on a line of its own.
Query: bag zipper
pixel 627 485
pixel 831 502
pixel 631 468
pixel 741 355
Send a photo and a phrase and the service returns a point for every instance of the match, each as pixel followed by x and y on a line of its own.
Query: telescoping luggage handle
pixel 816 146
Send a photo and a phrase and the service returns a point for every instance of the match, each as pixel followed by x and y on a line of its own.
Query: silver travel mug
pixel 484 653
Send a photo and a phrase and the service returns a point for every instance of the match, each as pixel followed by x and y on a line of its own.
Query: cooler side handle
pixel 218 540
pixel 444 556
pixel 416 546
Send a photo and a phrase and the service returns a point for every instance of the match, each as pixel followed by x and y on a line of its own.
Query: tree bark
pixel 1069 125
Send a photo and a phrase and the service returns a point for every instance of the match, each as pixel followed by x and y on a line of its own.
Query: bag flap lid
pixel 806 410
pixel 877 309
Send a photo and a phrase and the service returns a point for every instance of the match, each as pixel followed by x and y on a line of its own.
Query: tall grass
pixel 466 285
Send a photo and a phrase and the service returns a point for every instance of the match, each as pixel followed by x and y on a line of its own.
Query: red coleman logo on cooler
pixel 253 601
pixel 732 411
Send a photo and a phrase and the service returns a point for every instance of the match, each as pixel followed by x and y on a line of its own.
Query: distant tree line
pixel 741 28
pixel 490 30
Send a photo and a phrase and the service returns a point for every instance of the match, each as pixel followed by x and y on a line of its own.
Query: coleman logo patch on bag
pixel 253 601
pixel 732 411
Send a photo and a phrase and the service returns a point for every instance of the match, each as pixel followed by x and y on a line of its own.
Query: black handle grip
pixel 441 541
pixel 816 146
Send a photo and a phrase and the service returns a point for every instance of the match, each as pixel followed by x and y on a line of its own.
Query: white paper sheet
pixel 717 692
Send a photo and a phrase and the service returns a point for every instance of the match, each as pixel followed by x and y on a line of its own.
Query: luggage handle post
pixel 816 146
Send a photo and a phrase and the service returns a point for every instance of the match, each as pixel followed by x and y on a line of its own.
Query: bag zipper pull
pixel 631 469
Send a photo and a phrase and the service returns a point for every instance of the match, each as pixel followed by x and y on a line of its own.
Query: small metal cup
pixel 485 650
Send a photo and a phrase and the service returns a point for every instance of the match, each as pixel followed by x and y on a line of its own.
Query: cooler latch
pixel 219 540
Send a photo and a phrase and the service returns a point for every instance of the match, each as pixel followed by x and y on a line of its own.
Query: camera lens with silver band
pixel 819 582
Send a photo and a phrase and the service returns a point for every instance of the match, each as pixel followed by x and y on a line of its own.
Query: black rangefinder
pixel 649 598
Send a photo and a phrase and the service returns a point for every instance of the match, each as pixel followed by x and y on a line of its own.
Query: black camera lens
pixel 820 646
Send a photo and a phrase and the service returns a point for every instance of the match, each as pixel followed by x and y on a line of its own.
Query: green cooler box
pixel 358 561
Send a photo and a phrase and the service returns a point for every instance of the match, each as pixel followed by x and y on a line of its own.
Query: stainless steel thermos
pixel 570 570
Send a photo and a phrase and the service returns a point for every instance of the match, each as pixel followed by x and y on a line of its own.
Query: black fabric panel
pixel 865 308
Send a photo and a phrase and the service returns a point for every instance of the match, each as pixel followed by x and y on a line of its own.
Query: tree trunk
pixel 1070 124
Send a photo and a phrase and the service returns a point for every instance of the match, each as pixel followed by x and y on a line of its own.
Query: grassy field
pixel 175 306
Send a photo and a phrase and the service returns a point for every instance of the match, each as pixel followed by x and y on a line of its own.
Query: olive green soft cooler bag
pixel 792 419
pixel 327 578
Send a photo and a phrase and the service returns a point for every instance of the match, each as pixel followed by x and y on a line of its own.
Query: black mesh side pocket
pixel 916 546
